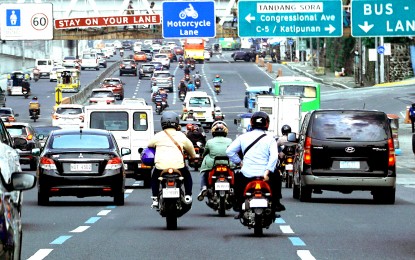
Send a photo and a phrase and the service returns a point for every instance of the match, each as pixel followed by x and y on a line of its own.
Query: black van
pixel 345 150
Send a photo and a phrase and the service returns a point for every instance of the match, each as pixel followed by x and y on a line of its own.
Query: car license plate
pixel 289 167
pixel 171 193
pixel 222 186
pixel 200 114
pixel 258 203
pixel 197 155
pixel 125 167
pixel 349 165
pixel 81 167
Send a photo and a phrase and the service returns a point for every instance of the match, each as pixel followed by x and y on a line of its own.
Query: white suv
pixel 90 60
pixel 68 115
pixel 163 58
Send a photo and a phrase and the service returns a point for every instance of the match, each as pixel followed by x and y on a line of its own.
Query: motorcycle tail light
pixel 258 195
pixel 222 178
pixel 307 151
pixel 221 168
pixel 47 163
pixel 170 183
pixel 391 148
pixel 170 171
pixel 289 160
pixel 114 163
pixel 29 137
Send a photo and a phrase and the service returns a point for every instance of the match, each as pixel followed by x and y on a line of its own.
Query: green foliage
pixel 339 52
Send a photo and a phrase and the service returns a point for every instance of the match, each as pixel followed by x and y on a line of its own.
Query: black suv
pixel 146 70
pixel 345 150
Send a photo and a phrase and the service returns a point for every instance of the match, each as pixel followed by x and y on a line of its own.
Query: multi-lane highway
pixel 332 226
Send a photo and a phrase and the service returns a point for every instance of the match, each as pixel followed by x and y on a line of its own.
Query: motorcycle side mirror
pixel 16 115
pixel 235 121
pixel 292 137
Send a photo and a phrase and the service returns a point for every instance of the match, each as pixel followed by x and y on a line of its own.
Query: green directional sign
pixel 382 18
pixel 295 18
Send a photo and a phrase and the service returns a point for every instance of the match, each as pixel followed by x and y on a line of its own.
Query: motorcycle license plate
pixel 289 167
pixel 222 186
pixel 171 193
pixel 258 203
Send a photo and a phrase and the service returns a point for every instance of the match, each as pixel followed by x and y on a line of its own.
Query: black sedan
pixel 243 55
pixel 82 163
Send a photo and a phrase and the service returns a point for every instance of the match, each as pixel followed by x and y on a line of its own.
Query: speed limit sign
pixel 26 21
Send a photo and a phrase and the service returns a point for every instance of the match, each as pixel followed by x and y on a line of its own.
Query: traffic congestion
pixel 130 143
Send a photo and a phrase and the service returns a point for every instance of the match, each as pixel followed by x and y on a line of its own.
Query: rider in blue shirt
pixel 190 86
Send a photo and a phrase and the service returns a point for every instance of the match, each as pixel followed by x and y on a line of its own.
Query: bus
pixel 230 43
pixel 303 87
pixel 194 48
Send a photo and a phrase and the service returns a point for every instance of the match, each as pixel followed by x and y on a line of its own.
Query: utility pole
pixel 382 61
pixel 376 62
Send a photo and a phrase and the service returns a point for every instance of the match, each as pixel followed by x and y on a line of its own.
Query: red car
pixel 178 50
pixel 116 85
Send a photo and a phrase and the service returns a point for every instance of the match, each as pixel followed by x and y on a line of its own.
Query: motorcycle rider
pixel 122 52
pixel 182 87
pixel 187 70
pixel 285 130
pixel 217 79
pixel 260 161
pixel 214 147
pixel 34 105
pixel 195 135
pixel 26 85
pixel 196 76
pixel 169 145
pixel 162 92
pixel 190 86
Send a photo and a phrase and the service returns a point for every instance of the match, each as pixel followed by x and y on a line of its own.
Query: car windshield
pixel 111 81
pixel 101 94
pixel 45 130
pixel 69 110
pixel 69 58
pixel 199 102
pixel 5 112
pixel 16 130
pixel 80 141
pixel 350 126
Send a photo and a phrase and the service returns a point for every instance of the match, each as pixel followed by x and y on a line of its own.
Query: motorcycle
pixel 192 66
pixel 159 104
pixel 182 95
pixel 26 92
pixel 34 114
pixel 197 83
pixel 286 164
pixel 122 53
pixel 256 210
pixel 220 192
pixel 172 204
pixel 36 75
pixel 217 86
pixel 187 77
pixel 197 161
pixel 181 65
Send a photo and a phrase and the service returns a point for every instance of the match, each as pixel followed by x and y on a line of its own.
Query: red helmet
pixel 189 127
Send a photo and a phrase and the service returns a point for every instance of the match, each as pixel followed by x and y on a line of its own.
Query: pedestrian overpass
pixel 66 9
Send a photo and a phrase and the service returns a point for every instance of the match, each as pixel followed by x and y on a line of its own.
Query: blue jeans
pixel 203 179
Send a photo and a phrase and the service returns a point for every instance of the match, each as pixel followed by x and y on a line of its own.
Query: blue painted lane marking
pixel 296 241
pixel 280 221
pixel 111 207
pixel 60 240
pixel 92 220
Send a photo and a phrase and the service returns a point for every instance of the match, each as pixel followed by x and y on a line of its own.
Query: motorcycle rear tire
pixel 258 226
pixel 222 208
pixel 171 217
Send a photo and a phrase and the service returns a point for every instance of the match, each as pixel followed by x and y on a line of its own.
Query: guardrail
pixel 83 94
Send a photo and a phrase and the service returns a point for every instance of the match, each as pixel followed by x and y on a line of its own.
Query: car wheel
pixel 305 193
pixel 385 196
pixel 33 165
pixel 296 191
pixel 42 198
pixel 119 199
pixel 97 68
pixel 120 74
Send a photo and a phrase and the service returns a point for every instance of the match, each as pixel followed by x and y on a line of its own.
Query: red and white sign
pixel 107 21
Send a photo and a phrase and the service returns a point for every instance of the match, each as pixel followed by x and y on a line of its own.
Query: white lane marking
pixel 103 212
pixel 138 183
pixel 286 229
pixel 128 190
pixel 40 254
pixel 80 229
pixel 305 255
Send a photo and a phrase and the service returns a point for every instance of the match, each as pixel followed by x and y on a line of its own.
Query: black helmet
pixel 219 128
pixel 169 119
pixel 34 98
pixel 260 120
pixel 285 129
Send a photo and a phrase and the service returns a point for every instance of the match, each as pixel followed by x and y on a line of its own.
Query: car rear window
pixel 88 56
pixel 162 75
pixel 111 81
pixel 69 110
pixel 148 67
pixel 80 141
pixel 16 130
pixel 5 112
pixel 160 56
pixel 108 120
pixel 350 126
pixel 199 102
pixel 100 94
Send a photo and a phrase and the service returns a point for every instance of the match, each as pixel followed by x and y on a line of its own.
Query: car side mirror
pixel 36 151
pixel 16 115
pixel 125 151
pixel 40 137
pixel 292 137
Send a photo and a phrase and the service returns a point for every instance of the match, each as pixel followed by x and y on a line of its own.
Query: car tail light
pixel 55 117
pixel 110 101
pixel 29 137
pixel 114 163
pixel 391 148
pixel 307 151
pixel 92 101
pixel 47 163
pixel 122 65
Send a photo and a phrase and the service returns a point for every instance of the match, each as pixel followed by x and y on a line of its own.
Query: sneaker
pixel 202 193
pixel 188 199
pixel 155 204
pixel 279 207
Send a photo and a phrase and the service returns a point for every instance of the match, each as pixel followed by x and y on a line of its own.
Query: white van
pixel 202 105
pixel 132 127
pixel 44 66
pixel 89 60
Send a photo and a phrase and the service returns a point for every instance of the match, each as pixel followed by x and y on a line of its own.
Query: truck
pixel 132 127
pixel 282 110
pixel 194 48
